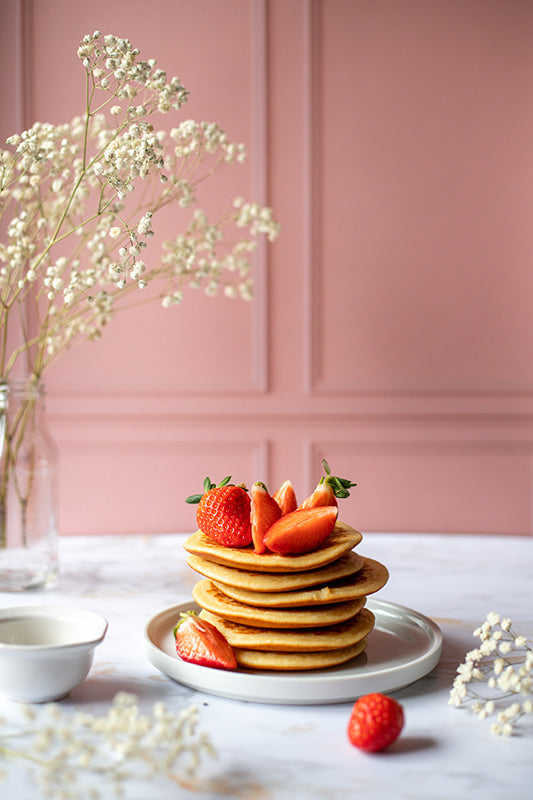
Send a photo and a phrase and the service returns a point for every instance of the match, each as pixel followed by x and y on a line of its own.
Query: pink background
pixel 391 330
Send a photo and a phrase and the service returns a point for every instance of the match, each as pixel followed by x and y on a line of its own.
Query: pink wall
pixel 391 330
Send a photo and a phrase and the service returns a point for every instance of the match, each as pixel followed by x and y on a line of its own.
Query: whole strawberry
pixel 223 513
pixel 376 722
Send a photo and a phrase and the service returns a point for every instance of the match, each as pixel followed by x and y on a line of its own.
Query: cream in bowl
pixel 46 651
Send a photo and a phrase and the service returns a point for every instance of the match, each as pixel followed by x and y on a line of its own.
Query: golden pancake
pixel 256 659
pixel 348 564
pixel 369 580
pixel 331 637
pixel 337 592
pixel 212 599
pixel 342 540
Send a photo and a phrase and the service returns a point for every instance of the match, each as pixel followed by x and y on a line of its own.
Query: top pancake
pixel 341 541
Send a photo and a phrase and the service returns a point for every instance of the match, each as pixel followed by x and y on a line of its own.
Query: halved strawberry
pixel 285 497
pixel 264 512
pixel 302 530
pixel 328 489
pixel 223 513
pixel 199 642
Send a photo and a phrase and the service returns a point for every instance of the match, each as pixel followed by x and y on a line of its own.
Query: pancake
pixel 212 599
pixel 370 579
pixel 331 637
pixel 337 592
pixel 256 659
pixel 342 540
pixel 348 564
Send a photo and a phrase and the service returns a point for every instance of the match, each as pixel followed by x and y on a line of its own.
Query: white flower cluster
pixel 504 664
pixel 79 201
pixel 259 220
pixel 113 66
pixel 193 258
pixel 193 138
pixel 85 755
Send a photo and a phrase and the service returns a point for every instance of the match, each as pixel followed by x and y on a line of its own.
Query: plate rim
pixel 333 685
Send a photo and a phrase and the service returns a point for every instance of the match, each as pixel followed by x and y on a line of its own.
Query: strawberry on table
pixel 199 642
pixel 285 497
pixel 376 722
pixel 329 488
pixel 264 512
pixel 301 531
pixel 223 513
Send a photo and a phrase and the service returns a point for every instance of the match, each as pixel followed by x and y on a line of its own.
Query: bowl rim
pixel 14 613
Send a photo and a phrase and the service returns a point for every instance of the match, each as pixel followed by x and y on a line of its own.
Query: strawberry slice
pixel 264 512
pixel 329 488
pixel 199 642
pixel 285 497
pixel 301 531
pixel 323 495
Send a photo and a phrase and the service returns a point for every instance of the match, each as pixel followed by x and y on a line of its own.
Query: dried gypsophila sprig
pixel 79 204
pixel 503 664
pixel 80 200
pixel 85 755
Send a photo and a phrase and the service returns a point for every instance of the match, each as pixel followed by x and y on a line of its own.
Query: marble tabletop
pixel 286 752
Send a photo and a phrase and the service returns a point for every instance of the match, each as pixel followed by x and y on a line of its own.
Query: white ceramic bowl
pixel 46 651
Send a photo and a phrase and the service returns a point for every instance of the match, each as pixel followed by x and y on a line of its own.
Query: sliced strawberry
pixel 264 512
pixel 302 530
pixel 199 642
pixel 223 513
pixel 285 497
pixel 323 495
pixel 328 489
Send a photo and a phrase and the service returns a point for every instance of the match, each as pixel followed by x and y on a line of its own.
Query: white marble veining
pixel 271 752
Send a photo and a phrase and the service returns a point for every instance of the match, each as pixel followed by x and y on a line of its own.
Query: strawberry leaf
pixel 340 486
pixel 194 499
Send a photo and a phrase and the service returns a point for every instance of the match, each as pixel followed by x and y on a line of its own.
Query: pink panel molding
pixel 387 400
pixel 432 483
pixel 103 489
pixel 312 192
pixel 258 148
pixel 24 72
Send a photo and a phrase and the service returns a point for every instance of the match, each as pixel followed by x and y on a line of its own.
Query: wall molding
pixel 259 151
pixel 466 410
pixel 315 384
pixel 312 193
pixel 260 140
pixel 25 66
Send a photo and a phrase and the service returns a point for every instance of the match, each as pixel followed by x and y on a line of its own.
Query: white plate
pixel 403 647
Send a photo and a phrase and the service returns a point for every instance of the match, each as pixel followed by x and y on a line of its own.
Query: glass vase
pixel 28 489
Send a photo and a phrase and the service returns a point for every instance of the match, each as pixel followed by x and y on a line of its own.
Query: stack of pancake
pixel 288 612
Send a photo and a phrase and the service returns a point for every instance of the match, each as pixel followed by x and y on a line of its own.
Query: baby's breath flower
pixel 504 664
pixel 71 244
pixel 65 752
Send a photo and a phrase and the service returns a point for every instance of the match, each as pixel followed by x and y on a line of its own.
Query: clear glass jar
pixel 28 489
